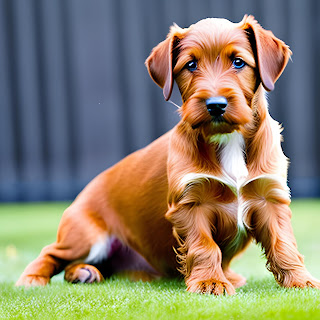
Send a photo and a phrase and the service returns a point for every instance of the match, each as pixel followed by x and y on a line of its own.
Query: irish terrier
pixel 195 198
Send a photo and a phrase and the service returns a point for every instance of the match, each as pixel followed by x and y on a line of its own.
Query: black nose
pixel 216 106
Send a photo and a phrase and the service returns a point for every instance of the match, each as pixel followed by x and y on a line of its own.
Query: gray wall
pixel 75 96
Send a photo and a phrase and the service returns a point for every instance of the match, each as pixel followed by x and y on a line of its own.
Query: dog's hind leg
pixel 78 231
pixel 96 265
pixel 110 256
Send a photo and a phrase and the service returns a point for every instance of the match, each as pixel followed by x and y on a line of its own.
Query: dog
pixel 192 200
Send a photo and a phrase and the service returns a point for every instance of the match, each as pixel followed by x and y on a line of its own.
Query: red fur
pixel 174 202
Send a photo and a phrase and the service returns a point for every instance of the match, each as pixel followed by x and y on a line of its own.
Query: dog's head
pixel 218 66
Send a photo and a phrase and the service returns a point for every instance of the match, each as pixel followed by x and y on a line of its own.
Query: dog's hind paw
pixel 32 281
pixel 211 286
pixel 82 273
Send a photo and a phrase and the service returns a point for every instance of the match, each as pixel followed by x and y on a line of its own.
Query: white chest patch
pixel 232 157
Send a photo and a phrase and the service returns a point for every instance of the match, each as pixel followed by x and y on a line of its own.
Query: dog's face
pixel 218 67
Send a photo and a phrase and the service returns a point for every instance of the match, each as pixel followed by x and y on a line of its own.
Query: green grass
pixel 25 229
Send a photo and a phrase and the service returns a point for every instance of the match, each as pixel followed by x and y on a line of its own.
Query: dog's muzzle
pixel 216 106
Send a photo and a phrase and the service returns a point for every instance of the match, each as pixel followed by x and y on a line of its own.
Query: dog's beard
pixel 194 112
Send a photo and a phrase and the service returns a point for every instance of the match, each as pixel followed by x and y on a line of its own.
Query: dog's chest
pixel 234 174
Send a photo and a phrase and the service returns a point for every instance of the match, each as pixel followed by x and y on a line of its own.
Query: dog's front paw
pixel 301 281
pixel 32 281
pixel 211 286
pixel 82 273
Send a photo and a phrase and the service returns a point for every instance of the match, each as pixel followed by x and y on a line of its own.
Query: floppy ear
pixel 161 61
pixel 271 53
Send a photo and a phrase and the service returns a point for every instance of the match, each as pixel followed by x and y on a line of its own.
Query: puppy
pixel 196 197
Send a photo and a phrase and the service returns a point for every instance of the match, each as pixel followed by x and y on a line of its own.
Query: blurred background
pixel 75 96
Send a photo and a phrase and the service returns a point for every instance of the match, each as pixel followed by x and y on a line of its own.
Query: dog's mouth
pixel 217 119
pixel 222 123
pixel 216 125
pixel 213 120
pixel 221 126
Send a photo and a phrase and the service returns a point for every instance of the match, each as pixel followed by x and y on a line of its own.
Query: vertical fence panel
pixel 54 101
pixel 27 90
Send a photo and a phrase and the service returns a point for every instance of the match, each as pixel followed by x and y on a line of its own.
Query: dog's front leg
pixel 199 256
pixel 269 219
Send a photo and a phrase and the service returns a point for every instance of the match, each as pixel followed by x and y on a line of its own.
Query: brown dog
pixel 194 198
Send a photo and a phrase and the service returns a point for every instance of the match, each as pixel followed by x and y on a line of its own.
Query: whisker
pixel 174 104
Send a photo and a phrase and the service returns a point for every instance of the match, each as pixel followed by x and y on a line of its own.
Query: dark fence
pixel 75 96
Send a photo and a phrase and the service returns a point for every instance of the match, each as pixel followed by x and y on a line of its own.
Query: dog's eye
pixel 238 63
pixel 191 65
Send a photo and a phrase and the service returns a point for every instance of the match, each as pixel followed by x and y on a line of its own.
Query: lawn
pixel 26 228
